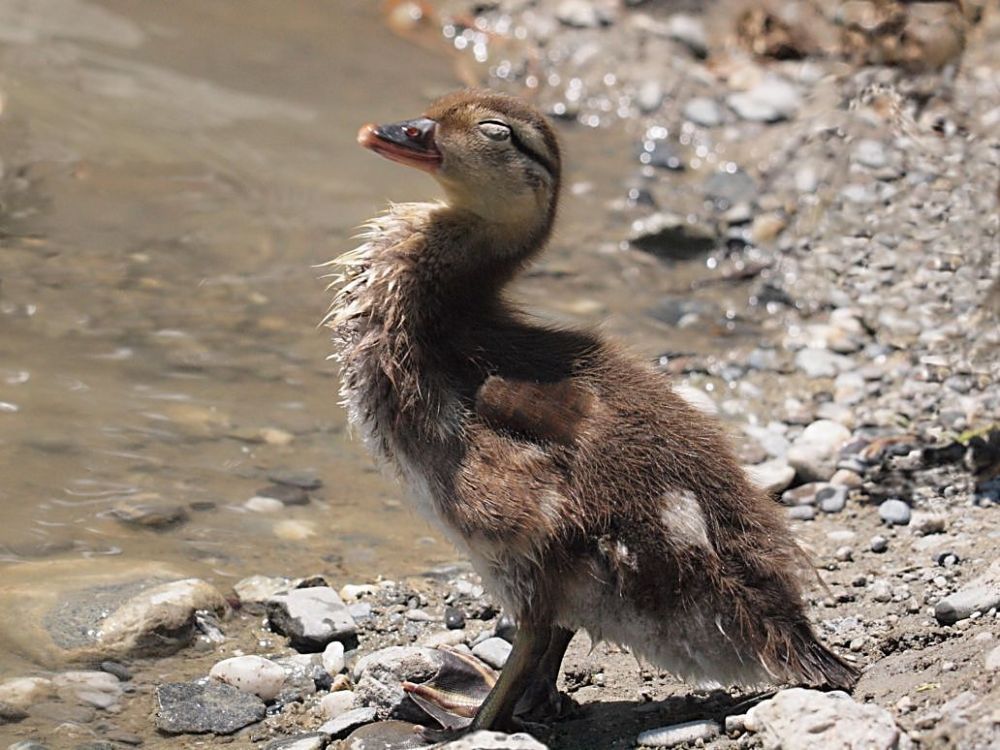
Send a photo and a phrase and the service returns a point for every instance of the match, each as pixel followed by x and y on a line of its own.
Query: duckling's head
pixel 495 156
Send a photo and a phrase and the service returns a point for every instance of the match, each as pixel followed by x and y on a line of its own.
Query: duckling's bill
pixel 410 142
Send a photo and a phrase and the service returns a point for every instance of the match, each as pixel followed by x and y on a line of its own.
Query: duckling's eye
pixel 495 130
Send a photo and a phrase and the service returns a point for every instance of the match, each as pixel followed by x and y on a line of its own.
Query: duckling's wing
pixel 547 412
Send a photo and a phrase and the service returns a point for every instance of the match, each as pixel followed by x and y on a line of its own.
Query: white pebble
pixel 333 658
pixel 251 674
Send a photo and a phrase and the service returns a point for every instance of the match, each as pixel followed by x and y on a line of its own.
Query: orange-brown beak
pixel 410 142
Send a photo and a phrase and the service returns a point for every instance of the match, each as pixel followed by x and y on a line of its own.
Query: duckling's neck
pixel 423 271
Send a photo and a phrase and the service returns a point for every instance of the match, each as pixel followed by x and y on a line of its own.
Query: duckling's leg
pixel 530 645
pixel 541 702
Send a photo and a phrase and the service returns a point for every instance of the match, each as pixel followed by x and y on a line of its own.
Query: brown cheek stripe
pixel 523 148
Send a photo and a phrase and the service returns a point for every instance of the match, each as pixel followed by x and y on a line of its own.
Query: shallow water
pixel 173 175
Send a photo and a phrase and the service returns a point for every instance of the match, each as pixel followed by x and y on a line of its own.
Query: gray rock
pixel 485 740
pixel 200 707
pixel 802 513
pixel 878 544
pixel 729 188
pixel 801 719
pixel 27 745
pixel 678 734
pixel 305 480
pixel 924 524
pixel 821 363
pixel 894 512
pixel 581 14
pixel 494 651
pixel 993 660
pixel 961 604
pixel 312 741
pixel 378 679
pixel 11 714
pixel 689 31
pixel 881 591
pixel 348 721
pixel 771 100
pixel 703 111
pixel 311 618
pixel 813 455
pixel 832 499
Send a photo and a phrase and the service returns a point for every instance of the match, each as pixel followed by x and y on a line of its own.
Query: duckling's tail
pixel 815 664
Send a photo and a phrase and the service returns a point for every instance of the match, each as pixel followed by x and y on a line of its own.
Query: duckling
pixel 586 493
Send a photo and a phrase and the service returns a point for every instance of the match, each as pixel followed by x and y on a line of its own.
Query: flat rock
pixel 671 237
pixel 378 679
pixel 485 740
pixel 203 707
pixel 679 734
pixel 251 674
pixel 151 514
pixel 311 618
pixel 801 719
pixel 311 741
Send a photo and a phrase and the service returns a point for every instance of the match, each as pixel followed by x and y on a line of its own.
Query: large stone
pixel 801 719
pixel 311 618
pixel 378 679
pixel 62 612
pixel 203 707
pixel 813 455
pixel 979 595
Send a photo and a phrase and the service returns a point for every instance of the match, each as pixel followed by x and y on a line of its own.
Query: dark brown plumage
pixel 586 492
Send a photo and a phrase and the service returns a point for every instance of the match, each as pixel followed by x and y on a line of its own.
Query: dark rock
pixel 10 714
pixel 454 619
pixel 117 669
pixel 506 628
pixel 199 708
pixel 657 152
pixel 305 480
pixel 670 237
pixel 156 516
pixel 945 559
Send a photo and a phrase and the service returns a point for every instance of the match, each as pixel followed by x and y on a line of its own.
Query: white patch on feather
pixel 683 518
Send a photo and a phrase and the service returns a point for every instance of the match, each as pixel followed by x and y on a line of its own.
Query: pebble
pixel 832 499
pixel 870 153
pixel 200 707
pixel 334 704
pixel 813 454
pixel 894 512
pixel 679 734
pixel 846 478
pixel 689 31
pixel 311 618
pixel 311 741
pixel 333 658
pixel 649 96
pixel 288 494
pixel 802 719
pixel 924 524
pixel 347 722
pixel 117 669
pixel 703 111
pixel 771 100
pixel 454 618
pixel 494 651
pixel 843 554
pixel 486 740
pixel 259 504
pixel 251 674
pixel 303 479
pixel 878 544
pixel 802 513
pixel 580 14
pixel 150 515
pixel 881 591
pixel 821 363
pixel 506 628
pixel 255 591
